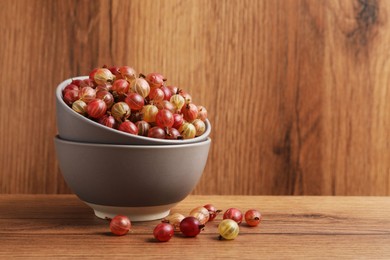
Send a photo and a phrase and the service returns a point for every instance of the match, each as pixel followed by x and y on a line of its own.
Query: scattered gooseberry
pixel 120 225
pixel 234 214
pixel 228 229
pixel 174 220
pixel 253 217
pixel 212 211
pixel 190 226
pixel 163 232
pixel 201 213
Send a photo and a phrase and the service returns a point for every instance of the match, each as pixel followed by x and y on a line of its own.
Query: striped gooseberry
pixel 149 113
pixel 228 229
pixel 164 118
pixel 143 127
pixel 87 94
pixel 71 96
pixel 187 130
pixel 120 225
pixel 120 111
pixel 106 96
pixel 190 112
pixel 128 73
pixel 140 86
pixel 107 120
pixel 128 127
pixel 200 127
pixel 177 101
pixel 96 108
pixel 252 217
pixel 135 101
pixel 156 132
pixel 155 79
pixel 80 107
pixel 120 86
pixel 103 76
pixel 234 214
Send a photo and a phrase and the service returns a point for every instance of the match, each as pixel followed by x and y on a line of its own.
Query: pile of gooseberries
pixel 144 105
pixel 194 223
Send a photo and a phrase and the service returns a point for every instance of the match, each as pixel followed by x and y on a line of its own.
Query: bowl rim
pixel 59 98
pixel 58 139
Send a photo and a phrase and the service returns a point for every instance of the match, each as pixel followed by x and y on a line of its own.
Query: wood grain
pixel 60 226
pixel 297 91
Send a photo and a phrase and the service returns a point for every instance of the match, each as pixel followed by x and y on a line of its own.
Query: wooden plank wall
pixel 297 90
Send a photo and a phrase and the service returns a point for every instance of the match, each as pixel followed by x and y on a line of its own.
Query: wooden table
pixel 60 226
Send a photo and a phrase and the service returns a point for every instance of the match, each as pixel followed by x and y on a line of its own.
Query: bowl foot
pixel 133 213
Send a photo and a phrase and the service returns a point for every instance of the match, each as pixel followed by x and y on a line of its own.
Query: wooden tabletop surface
pixel 61 226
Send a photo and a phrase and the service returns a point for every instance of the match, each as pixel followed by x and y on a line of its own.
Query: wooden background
pixel 297 91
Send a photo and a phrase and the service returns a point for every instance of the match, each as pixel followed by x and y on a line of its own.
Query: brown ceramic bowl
pixel 142 182
pixel 75 127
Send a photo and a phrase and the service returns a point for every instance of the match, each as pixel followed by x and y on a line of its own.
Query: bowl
pixel 142 182
pixel 75 127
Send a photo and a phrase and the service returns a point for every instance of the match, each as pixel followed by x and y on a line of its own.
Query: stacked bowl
pixel 120 173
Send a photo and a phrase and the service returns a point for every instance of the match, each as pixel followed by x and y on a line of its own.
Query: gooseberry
pixel 120 86
pixel 163 232
pixel 107 120
pixel 200 127
pixel 166 105
pixel 190 226
pixel 173 89
pixel 135 101
pixel 178 101
pixel 156 132
pixel 201 213
pixel 120 111
pixel 172 134
pixel 174 220
pixel 96 108
pixel 140 86
pixel 128 73
pixel 71 96
pixel 156 94
pixel 120 225
pixel 190 112
pixel 164 118
pixel 187 97
pixel 177 120
pixel 106 96
pixel 87 94
pixel 143 127
pixel 167 93
pixel 128 127
pixel 80 107
pixel 212 211
pixel 253 217
pixel 87 83
pixel 234 214
pixel 149 112
pixel 71 87
pixel 202 113
pixel 103 76
pixel 228 229
pixel 155 79
pixel 187 130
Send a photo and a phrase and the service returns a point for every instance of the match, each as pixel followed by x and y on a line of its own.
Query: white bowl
pixel 75 127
